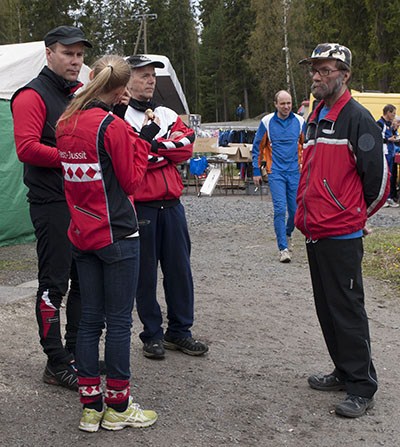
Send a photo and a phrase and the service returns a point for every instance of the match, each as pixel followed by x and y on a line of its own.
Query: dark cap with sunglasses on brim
pixel 329 51
pixel 66 35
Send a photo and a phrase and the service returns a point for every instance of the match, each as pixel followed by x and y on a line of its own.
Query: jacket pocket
pixel 336 200
pixel 87 213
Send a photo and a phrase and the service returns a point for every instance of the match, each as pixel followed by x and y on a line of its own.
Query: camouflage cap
pixel 333 51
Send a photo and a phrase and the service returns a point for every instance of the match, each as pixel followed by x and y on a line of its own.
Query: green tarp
pixel 15 223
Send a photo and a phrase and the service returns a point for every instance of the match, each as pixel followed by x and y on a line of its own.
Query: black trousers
pixel 55 268
pixel 165 240
pixel 336 276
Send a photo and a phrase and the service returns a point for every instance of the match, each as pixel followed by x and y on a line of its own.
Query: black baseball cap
pixel 140 60
pixel 66 35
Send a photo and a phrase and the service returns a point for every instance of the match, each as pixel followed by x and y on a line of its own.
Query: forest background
pixel 226 52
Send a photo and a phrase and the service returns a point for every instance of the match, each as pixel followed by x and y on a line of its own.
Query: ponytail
pixel 110 72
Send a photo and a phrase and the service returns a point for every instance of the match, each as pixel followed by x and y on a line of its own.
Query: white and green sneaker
pixel 90 420
pixel 133 416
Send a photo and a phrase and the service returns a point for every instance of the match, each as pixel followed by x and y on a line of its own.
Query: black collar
pixel 97 103
pixel 68 87
pixel 142 105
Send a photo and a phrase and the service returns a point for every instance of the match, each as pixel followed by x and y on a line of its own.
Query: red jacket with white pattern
pixel 162 180
pixel 103 163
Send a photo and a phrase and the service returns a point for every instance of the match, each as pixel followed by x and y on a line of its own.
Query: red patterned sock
pixel 89 390
pixel 117 394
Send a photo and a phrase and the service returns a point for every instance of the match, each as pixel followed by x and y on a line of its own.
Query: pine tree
pixel 173 34
pixel 266 42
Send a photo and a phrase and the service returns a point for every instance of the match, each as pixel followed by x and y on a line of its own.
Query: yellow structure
pixel 376 101
pixel 373 101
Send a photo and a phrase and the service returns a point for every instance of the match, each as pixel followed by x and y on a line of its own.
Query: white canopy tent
pixel 21 62
pixel 168 89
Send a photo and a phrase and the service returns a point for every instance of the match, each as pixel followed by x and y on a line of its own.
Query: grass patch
pixel 15 265
pixel 382 256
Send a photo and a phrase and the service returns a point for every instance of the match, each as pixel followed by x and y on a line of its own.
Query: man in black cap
pixel 164 236
pixel 344 181
pixel 36 108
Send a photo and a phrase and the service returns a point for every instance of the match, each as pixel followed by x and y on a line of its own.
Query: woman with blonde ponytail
pixel 103 163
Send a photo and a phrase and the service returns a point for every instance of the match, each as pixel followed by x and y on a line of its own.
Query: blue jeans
pixel 108 280
pixel 283 187
pixel 390 160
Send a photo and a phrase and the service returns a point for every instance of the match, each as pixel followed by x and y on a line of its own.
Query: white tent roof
pixel 169 90
pixel 21 62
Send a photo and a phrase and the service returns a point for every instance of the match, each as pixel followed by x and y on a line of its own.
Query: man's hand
pixel 257 180
pixel 175 135
pixel 366 231
pixel 154 119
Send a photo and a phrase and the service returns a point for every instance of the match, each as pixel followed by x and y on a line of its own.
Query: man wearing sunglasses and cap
pixel 344 181
pixel 164 235
pixel 36 108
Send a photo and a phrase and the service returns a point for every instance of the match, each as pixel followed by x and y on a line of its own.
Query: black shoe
pixel 187 345
pixel 154 349
pixel 354 406
pixel 64 375
pixel 327 382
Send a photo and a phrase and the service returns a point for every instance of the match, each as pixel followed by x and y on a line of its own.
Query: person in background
pixel 278 146
pixel 344 181
pixel 394 177
pixel 385 122
pixel 36 108
pixel 240 112
pixel 164 235
pixel 103 163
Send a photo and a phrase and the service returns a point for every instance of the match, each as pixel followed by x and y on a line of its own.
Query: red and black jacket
pixel 345 177
pixel 162 185
pixel 103 163
pixel 36 108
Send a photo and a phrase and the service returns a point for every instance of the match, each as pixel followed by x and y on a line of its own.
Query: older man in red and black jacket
pixel 344 181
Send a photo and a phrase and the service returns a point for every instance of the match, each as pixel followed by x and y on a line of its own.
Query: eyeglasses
pixel 323 72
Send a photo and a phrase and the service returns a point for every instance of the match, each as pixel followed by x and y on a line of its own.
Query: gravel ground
pixel 221 211
pixel 250 389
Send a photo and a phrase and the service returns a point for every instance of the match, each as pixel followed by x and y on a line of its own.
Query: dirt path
pixel 250 390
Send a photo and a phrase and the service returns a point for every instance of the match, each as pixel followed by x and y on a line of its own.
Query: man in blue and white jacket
pixel 385 122
pixel 277 146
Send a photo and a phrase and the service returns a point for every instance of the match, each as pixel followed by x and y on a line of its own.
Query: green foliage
pixel 369 28
pixel 239 56
pixel 211 63
pixel 225 77
pixel 14 265
pixel 173 34
pixel 266 43
pixel 110 26
pixel 382 256
pixel 30 20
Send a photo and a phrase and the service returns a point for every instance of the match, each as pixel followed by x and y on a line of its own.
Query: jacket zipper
pixel 326 184
pixel 88 213
pixel 166 183
pixel 308 178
